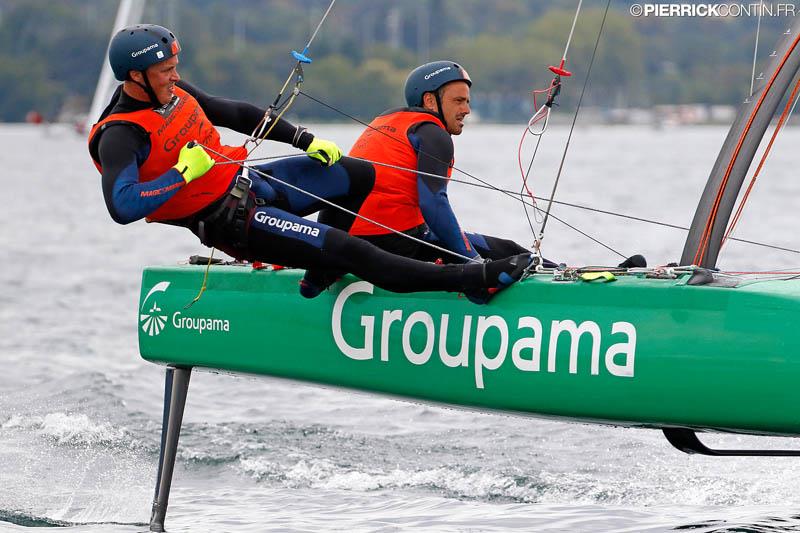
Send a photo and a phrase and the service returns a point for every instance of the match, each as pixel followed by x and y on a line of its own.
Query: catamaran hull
pixel 635 352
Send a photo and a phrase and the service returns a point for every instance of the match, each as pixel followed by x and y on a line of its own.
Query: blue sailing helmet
pixel 140 46
pixel 429 77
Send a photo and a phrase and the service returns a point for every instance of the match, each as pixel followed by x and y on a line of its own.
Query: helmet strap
pixel 439 107
pixel 150 92
pixel 148 88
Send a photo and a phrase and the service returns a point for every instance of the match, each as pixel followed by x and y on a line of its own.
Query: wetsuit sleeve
pixel 435 151
pixel 122 150
pixel 244 117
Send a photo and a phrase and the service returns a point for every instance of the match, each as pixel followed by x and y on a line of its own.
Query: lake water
pixel 80 412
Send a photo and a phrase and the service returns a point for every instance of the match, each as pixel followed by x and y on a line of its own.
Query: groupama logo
pixel 151 318
pixel 487 343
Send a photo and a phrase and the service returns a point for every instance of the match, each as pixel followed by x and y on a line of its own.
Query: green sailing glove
pixel 193 162
pixel 326 152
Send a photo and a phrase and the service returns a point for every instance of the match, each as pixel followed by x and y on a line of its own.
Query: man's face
pixel 455 105
pixel 163 77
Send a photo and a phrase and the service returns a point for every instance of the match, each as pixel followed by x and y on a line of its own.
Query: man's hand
pixel 193 162
pixel 326 152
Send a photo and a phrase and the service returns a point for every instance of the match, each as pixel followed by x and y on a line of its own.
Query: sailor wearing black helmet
pixel 418 137
pixel 143 146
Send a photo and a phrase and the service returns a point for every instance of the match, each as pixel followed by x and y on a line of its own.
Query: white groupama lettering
pixel 137 53
pixel 200 324
pixel 435 72
pixel 285 225
pixel 526 350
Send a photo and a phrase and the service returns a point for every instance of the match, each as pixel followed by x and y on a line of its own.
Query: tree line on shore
pixel 51 52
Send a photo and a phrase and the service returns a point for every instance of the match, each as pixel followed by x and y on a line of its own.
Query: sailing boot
pixel 505 271
pixel 316 281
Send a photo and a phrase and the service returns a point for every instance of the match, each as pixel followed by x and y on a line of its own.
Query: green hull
pixel 635 352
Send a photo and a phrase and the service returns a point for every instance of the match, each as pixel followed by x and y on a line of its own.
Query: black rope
pixel 522 199
pixel 575 118
pixel 483 182
pixel 585 208
pixel 524 181
pixel 479 180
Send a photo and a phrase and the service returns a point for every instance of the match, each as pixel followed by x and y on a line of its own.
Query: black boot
pixel 316 281
pixel 498 275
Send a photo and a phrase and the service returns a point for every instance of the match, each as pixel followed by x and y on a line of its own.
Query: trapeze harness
pixel 169 128
pixel 394 200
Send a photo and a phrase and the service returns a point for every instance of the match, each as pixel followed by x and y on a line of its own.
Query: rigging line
pixel 204 285
pixel 367 219
pixel 486 184
pixel 313 35
pixel 396 139
pixel 518 197
pixel 702 247
pixel 341 208
pixel 792 110
pixel 554 86
pixel 571 31
pixel 264 158
pixel 785 272
pixel 536 210
pixel 767 278
pixel 284 107
pixel 380 131
pixel 512 194
pixel 755 51
pixel 524 186
pixel 778 127
pixel 552 92
pixel 574 120
pixel 527 213
pixel 259 134
pixel 765 245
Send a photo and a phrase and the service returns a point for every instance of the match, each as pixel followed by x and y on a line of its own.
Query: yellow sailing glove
pixel 326 152
pixel 193 161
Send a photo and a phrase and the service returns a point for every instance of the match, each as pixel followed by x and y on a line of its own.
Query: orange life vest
pixel 169 129
pixel 394 200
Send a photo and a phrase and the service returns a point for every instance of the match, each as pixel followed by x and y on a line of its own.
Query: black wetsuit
pixel 277 233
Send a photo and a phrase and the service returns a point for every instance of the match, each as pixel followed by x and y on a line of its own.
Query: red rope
pixel 778 128
pixel 703 246
pixel 547 91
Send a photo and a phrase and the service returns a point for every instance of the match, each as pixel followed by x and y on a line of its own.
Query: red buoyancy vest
pixel 170 129
pixel 394 200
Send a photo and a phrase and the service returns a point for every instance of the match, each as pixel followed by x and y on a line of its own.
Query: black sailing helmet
pixel 430 77
pixel 138 47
